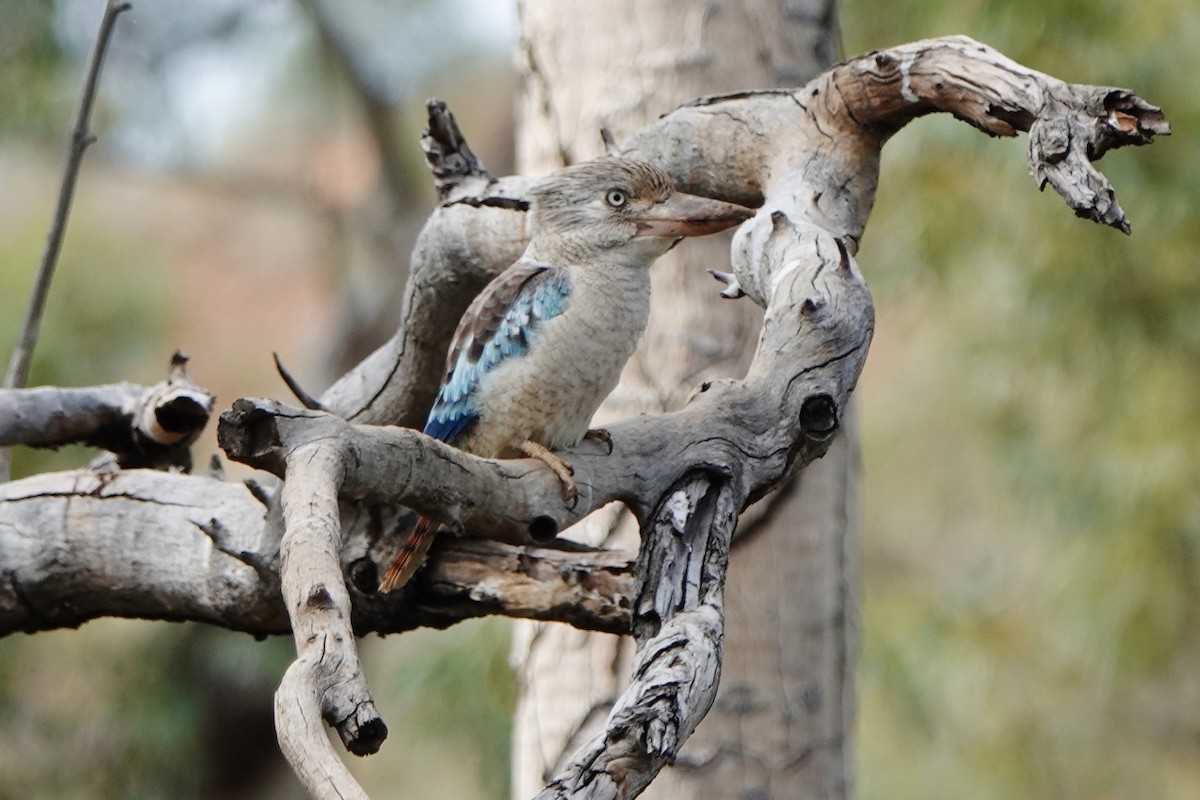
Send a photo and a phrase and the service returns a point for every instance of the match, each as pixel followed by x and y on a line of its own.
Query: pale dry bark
pixel 141 426
pixel 75 546
pixel 810 156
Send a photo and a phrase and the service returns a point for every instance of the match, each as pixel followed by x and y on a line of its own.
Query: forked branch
pixel 809 158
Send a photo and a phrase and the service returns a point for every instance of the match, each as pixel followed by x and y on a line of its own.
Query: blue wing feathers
pixel 500 325
pixel 451 427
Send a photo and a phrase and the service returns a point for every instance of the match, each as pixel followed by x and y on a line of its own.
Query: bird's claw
pixel 561 468
pixel 600 435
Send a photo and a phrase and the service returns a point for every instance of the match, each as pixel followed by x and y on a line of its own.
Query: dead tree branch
pixel 141 426
pixel 203 552
pixel 809 159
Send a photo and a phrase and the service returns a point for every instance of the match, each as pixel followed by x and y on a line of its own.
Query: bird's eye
pixel 616 198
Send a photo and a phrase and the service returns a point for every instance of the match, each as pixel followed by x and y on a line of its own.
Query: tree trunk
pixel 781 723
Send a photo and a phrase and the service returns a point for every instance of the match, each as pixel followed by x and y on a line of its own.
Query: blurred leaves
pixel 452 694
pixel 1032 513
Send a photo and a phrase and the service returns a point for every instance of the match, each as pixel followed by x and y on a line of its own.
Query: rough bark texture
pixel 141 426
pixel 203 549
pixel 671 52
pixel 204 552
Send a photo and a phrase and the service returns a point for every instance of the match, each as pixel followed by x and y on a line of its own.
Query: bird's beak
pixel 688 215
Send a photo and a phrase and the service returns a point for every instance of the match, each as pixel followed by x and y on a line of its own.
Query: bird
pixel 544 343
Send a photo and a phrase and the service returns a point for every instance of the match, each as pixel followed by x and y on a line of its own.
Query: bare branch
pixel 306 399
pixel 205 553
pixel 81 138
pixel 142 426
pixel 326 677
pixel 1069 125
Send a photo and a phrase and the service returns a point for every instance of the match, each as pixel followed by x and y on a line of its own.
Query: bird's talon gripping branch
pixel 562 469
pixel 600 435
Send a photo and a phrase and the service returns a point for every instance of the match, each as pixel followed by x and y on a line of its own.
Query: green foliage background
pixel 1031 415
pixel 1030 422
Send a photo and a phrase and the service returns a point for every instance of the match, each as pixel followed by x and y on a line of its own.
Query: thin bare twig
pixel 81 137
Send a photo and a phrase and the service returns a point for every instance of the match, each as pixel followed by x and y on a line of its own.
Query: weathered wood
pixel 142 426
pixel 810 158
pixel 678 625
pixel 76 546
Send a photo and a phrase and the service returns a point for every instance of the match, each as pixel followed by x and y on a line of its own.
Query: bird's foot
pixel 561 468
pixel 600 435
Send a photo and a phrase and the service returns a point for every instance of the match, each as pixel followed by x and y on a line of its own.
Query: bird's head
pixel 619 210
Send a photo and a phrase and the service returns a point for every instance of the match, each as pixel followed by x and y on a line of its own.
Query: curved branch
pixel 1069 125
pixel 326 677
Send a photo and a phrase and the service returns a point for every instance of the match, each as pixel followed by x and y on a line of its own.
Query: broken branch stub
pixel 142 426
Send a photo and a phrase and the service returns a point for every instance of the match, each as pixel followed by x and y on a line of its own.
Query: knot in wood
pixel 819 416
pixel 543 528
pixel 319 598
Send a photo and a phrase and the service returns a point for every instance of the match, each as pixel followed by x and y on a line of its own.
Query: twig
pixel 308 401
pixel 81 137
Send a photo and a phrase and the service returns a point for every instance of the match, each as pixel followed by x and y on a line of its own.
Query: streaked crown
pixel 599 198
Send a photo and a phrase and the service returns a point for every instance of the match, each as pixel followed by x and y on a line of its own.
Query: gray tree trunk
pixel 781 724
